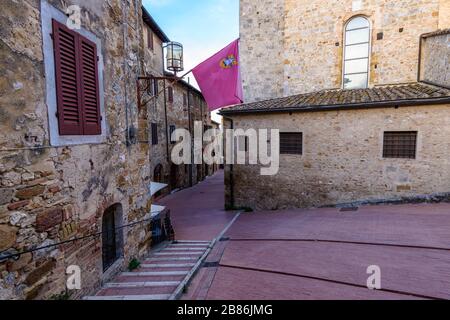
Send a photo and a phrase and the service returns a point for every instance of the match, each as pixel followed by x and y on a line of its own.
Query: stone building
pixel 76 157
pixel 304 52
pixel 177 105
pixel 360 91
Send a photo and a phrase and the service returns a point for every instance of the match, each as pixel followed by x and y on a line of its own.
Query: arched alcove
pixel 112 235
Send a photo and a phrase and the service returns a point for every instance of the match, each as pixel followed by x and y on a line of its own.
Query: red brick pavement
pixel 273 255
pixel 198 213
pixel 316 253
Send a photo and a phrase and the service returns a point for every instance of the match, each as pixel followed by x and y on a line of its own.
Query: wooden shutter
pixel 76 70
pixel 155 87
pixel 154 133
pixel 89 87
pixel 170 94
pixel 68 93
pixel 172 129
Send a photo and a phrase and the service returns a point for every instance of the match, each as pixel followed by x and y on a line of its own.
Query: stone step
pixel 134 278
pixel 168 265
pixel 158 276
pixel 185 253
pixel 163 269
pixel 190 245
pixel 156 273
pixel 180 249
pixel 171 259
pixel 191 241
pixel 135 290
pixel 131 297
pixel 142 284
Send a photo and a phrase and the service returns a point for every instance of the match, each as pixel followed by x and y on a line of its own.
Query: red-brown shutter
pixel 170 93
pixel 89 87
pixel 67 89
pixel 77 91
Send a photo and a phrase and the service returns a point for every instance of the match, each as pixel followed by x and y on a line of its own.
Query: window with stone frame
pixel 243 143
pixel 170 94
pixel 356 53
pixel 291 143
pixel 77 88
pixel 172 129
pixel 400 144
pixel 154 133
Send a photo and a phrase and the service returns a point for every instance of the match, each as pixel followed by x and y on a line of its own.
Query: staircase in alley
pixel 159 277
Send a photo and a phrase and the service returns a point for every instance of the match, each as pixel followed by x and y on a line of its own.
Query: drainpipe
pixel 419 68
pixel 165 120
pixel 125 70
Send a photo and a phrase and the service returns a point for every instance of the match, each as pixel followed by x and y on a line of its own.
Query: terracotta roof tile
pixel 383 96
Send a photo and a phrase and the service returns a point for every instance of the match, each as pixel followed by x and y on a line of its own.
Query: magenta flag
pixel 219 78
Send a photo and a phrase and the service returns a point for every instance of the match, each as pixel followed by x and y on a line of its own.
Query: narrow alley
pixel 198 213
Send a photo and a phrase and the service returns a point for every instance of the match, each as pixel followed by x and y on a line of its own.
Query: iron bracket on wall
pixel 146 91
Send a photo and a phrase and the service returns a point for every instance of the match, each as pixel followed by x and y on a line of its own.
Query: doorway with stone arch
pixel 112 235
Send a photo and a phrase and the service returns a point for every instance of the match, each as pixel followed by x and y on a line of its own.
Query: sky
pixel 202 26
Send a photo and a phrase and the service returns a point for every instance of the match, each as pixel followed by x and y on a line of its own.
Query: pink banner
pixel 219 78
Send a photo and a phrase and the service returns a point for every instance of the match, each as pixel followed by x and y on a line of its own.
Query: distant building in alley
pixel 178 105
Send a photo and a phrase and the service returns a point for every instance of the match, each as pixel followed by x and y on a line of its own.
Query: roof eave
pixel 184 83
pixel 148 19
pixel 367 105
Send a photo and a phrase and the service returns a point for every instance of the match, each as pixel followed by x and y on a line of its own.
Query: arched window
pixel 356 53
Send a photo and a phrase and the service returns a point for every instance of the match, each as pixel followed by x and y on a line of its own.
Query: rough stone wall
pixel 444 14
pixel 154 65
pixel 227 123
pixel 210 124
pixel 261 48
pixel 177 114
pixel 154 60
pixel 342 160
pixel 158 152
pixel 51 194
pixel 311 42
pixel 435 64
pixel 199 112
pixel 178 117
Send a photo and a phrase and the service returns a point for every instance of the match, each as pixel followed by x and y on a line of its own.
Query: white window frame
pixel 368 53
pixel 48 12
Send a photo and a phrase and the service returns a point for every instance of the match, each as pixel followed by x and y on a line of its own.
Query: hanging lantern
pixel 174 56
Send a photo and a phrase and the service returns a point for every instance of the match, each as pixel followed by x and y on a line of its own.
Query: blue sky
pixel 202 26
